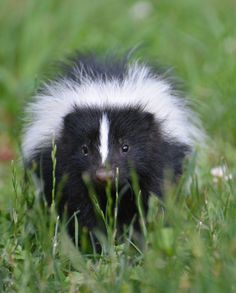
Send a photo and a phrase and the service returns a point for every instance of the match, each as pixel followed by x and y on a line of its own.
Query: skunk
pixel 107 116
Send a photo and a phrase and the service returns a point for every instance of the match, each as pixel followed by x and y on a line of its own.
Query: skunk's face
pixel 100 142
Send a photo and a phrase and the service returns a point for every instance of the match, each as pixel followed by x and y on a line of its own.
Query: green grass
pixel 191 246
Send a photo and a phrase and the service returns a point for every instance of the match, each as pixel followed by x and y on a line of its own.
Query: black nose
pixel 104 175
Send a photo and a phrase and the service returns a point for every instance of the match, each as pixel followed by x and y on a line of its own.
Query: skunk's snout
pixel 103 175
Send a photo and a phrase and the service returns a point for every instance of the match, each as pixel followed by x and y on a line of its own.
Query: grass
pixel 191 246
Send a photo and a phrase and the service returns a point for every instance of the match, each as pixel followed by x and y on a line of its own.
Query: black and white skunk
pixel 104 115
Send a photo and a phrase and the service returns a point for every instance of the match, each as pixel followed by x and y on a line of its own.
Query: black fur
pixel 102 68
pixel 105 67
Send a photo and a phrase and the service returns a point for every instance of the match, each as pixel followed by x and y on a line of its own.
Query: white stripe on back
pixel 46 113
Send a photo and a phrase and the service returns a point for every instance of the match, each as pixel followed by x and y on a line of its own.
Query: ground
pixel 191 246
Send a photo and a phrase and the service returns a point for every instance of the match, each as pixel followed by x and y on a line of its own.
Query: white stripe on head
pixel 104 133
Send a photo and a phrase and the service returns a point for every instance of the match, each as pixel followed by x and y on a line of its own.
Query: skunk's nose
pixel 103 175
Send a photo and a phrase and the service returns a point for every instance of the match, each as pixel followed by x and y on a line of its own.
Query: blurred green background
pixel 197 40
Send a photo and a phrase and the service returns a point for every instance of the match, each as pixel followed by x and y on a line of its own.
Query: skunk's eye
pixel 84 150
pixel 125 148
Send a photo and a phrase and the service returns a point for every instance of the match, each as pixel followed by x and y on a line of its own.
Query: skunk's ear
pixel 69 122
pixel 148 120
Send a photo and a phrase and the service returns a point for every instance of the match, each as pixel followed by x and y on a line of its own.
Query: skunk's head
pixel 101 142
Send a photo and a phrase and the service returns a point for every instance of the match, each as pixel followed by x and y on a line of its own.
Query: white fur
pixel 139 87
pixel 104 133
